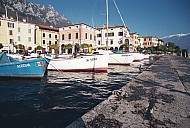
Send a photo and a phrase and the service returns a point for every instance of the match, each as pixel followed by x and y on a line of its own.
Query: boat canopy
pixel 6 59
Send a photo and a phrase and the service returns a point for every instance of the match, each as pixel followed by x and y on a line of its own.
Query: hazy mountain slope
pixel 181 40
pixel 33 12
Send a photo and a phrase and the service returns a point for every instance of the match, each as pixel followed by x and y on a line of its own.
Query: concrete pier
pixel 158 98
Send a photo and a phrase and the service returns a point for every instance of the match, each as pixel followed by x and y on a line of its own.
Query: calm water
pixel 59 99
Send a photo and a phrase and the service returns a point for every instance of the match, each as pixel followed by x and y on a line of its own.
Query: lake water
pixel 60 98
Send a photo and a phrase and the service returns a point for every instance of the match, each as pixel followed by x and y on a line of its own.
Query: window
pixel 29 31
pixel 69 36
pixel 44 35
pixel 109 34
pixel 86 35
pixel 10 25
pixel 49 43
pixel 10 32
pixel 44 42
pixel 98 42
pixel 11 41
pixel 18 38
pixel 55 42
pixel 90 36
pixel 49 35
pixel 77 35
pixel 55 36
pixel 63 36
pixel 0 23
pixel 29 39
pixel 18 29
pixel 99 35
pixel 111 42
pixel 120 33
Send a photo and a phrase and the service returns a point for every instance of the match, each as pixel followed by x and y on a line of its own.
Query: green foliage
pixel 68 46
pixel 20 47
pixel 1 46
pixel 84 45
pixel 39 47
pixel 125 46
pixel 54 46
pixel 169 47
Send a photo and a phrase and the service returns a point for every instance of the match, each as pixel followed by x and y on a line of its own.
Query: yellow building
pixel 7 34
pixel 150 41
pixel 134 37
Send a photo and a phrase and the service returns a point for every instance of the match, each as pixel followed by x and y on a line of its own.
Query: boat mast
pixel 107 23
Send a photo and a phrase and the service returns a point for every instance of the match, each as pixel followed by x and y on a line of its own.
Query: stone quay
pixel 159 97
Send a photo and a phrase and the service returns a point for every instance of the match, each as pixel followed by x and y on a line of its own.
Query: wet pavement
pixel 158 98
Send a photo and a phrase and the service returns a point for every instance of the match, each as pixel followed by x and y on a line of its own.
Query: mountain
pixel 33 13
pixel 181 40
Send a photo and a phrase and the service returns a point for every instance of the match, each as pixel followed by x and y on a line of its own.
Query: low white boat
pixel 139 56
pixel 89 63
pixel 117 58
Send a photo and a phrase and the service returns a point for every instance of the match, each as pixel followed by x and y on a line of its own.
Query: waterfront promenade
pixel 158 98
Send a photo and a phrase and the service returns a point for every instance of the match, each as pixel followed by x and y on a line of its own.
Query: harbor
pixel 59 98
pixel 157 98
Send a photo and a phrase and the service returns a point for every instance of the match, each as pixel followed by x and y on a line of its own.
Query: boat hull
pixel 34 68
pixel 120 59
pixel 92 63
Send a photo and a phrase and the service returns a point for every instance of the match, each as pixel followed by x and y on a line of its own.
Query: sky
pixel 146 17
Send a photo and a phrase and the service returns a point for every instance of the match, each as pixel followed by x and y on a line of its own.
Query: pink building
pixel 76 35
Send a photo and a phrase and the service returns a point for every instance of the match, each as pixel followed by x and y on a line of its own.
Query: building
pixel 7 34
pixel 46 36
pixel 77 35
pixel 117 36
pixel 150 41
pixel 135 39
pixel 25 35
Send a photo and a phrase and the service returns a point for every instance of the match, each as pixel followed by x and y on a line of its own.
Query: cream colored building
pixel 25 35
pixel 117 36
pixel 7 34
pixel 46 36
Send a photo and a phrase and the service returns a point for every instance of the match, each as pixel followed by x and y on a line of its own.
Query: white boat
pixel 117 58
pixel 138 57
pixel 89 63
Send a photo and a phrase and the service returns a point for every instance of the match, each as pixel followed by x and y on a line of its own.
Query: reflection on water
pixel 58 99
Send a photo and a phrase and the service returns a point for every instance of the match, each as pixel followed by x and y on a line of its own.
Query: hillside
pixel 181 40
pixel 33 13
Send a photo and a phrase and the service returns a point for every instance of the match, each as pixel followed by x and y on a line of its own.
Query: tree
pixel 125 46
pixel 1 46
pixel 171 47
pixel 54 46
pixel 68 46
pixel 39 48
pixel 84 45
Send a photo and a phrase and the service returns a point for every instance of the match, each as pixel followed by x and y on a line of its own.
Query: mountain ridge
pixel 182 40
pixel 33 13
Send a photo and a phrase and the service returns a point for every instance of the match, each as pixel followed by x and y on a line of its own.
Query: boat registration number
pixel 91 59
pixel 23 65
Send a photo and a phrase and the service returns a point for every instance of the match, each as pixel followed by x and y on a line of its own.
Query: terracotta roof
pixel 48 28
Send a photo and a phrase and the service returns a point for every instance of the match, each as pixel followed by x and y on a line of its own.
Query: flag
pixel 40 63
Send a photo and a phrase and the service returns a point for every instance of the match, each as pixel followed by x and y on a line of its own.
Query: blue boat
pixel 33 68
